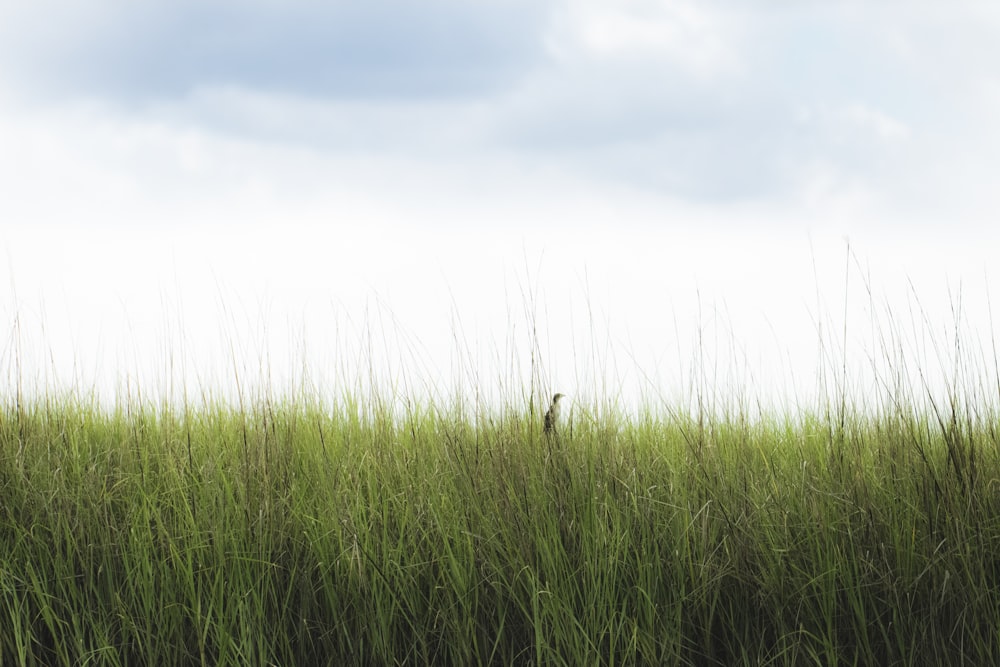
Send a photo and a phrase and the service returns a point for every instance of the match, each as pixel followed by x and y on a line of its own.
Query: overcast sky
pixel 177 176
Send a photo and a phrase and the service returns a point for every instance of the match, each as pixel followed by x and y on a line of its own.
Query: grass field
pixel 287 534
pixel 361 529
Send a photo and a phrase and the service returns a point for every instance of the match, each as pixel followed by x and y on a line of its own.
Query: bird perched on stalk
pixel 552 416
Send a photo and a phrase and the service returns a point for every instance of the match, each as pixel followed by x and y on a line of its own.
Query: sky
pixel 624 201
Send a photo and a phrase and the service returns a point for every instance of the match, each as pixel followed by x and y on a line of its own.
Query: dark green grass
pixel 290 535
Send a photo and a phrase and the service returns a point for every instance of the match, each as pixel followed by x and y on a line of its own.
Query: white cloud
pixel 710 102
pixel 696 38
pixel 881 124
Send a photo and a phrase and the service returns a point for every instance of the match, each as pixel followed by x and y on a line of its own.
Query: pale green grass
pixel 286 534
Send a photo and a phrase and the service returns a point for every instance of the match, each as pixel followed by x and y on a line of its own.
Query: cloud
pixel 710 102
pixel 375 49
pixel 697 38
pixel 716 102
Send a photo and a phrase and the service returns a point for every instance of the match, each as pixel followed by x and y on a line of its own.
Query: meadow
pixel 297 531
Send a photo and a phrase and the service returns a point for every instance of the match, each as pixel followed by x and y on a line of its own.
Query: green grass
pixel 287 534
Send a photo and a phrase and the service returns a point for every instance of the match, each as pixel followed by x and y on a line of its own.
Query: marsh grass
pixel 369 530
pixel 290 534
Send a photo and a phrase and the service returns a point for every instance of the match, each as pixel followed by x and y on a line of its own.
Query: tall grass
pixel 295 532
pixel 287 534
